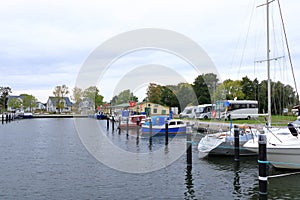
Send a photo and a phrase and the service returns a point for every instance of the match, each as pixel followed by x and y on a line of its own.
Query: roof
pixel 55 99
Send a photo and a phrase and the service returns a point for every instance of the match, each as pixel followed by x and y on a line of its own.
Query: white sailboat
pixel 222 143
pixel 283 144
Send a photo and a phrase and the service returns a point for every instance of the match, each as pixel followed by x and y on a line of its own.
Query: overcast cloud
pixel 45 43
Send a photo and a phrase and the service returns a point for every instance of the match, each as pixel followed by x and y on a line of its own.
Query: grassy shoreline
pixel 277 120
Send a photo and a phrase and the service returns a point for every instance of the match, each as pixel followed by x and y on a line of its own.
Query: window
pixel 172 123
pixel 155 110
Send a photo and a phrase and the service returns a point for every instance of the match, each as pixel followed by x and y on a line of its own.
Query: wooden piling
pixel 127 124
pixel 262 165
pixel 166 133
pixel 150 132
pixel 189 148
pixel 236 143
pixel 107 123
pixel 113 123
pixel 137 127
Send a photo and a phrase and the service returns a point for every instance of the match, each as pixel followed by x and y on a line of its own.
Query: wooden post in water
pixel 6 117
pixel 189 147
pixel 236 143
pixel 127 121
pixel 166 133
pixel 107 123
pixel 113 123
pixel 137 127
pixel 262 165
pixel 150 132
pixel 2 118
pixel 120 118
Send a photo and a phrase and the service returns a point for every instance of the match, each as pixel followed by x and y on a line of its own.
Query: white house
pixel 52 104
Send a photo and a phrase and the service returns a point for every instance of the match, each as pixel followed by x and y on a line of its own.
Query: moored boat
pixel 175 126
pixel 133 121
pixel 222 143
pixel 283 147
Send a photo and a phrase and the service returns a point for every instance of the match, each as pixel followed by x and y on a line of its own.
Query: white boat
pixel 175 126
pixel 222 143
pixel 283 147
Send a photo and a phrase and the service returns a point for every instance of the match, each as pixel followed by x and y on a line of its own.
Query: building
pixel 52 105
pixel 147 108
pixel 86 106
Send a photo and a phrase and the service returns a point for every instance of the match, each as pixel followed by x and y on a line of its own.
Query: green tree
pixel 77 96
pixel 15 103
pixel 248 88
pixel 154 92
pixel 29 101
pixel 168 97
pixel 60 93
pixel 233 89
pixel 4 92
pixel 124 97
pixel 205 87
pixel 93 94
pixel 186 95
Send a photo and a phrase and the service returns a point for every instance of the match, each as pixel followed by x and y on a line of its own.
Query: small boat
pixel 283 147
pixel 101 115
pixel 133 121
pixel 222 143
pixel 175 126
pixel 27 115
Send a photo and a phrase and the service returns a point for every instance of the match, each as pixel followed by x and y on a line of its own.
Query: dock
pixel 58 116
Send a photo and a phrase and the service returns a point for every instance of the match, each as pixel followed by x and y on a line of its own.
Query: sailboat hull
pixel 288 158
pixel 222 144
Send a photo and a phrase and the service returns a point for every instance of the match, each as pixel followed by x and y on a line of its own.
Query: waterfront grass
pixel 277 120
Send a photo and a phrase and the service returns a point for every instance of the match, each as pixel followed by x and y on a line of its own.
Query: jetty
pixel 58 116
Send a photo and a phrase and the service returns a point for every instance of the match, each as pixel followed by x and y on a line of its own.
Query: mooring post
pixel 150 132
pixel 236 143
pixel 127 123
pixel 6 117
pixel 120 118
pixel 262 165
pixel 107 123
pixel 113 123
pixel 138 127
pixel 166 133
pixel 2 118
pixel 189 147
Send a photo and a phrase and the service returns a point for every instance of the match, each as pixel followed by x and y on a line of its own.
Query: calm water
pixel 45 159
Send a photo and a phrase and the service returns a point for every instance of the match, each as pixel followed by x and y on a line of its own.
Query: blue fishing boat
pixel 175 126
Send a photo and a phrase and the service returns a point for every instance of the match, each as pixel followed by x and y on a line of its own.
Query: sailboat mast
pixel 268 67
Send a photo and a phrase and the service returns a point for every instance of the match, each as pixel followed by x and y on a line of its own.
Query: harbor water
pixel 46 159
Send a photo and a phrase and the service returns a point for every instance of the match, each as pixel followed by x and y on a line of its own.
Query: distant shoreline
pixel 58 116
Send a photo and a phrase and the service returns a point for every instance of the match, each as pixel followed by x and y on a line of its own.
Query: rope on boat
pixel 282 175
pixel 281 163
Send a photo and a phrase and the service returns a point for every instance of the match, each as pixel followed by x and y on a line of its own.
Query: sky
pixel 47 43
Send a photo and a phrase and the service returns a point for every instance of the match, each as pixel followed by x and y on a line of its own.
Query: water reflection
pixel 190 192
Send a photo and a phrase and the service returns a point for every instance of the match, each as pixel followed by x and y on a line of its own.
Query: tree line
pixel 206 88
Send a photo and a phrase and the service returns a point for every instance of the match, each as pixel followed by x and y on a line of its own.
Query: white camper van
pixel 204 111
pixel 240 109
pixel 188 112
